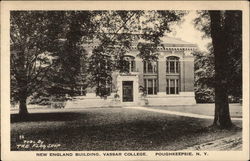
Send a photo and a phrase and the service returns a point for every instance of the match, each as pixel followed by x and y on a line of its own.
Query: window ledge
pixel 149 73
pixel 172 95
pixel 163 96
pixel 152 96
pixel 177 74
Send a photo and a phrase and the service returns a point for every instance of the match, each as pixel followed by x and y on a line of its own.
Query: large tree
pixel 70 70
pixel 31 59
pixel 225 29
pixel 46 52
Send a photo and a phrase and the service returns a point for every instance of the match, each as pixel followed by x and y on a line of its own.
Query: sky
pixel 187 32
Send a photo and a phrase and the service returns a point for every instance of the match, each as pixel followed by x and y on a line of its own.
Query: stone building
pixel 167 81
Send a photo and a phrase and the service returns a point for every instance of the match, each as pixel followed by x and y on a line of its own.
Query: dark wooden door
pixel 127 91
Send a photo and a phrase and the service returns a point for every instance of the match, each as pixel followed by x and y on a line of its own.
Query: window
pixel 129 64
pixel 150 67
pixel 132 66
pixel 172 86
pixel 151 86
pixel 173 64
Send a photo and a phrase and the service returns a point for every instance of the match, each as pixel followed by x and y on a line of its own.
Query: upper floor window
pixel 173 64
pixel 129 64
pixel 150 67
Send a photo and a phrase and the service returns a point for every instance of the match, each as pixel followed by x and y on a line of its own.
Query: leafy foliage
pixel 202 23
pixel 47 56
pixel 70 71
pixel 204 76
pixel 204 95
pixel 234 50
pixel 31 59
pixel 117 31
pixel 205 64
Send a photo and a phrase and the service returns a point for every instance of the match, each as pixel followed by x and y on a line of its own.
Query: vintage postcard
pixel 117 80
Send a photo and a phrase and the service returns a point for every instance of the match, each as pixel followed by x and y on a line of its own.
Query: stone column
pixel 162 76
pixel 114 81
pixel 139 69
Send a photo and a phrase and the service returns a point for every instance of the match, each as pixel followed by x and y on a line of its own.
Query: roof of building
pixel 176 42
pixel 166 41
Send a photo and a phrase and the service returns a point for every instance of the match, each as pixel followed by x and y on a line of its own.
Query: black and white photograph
pixel 125 83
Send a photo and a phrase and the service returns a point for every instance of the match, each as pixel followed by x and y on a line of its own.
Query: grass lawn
pixel 113 129
pixel 204 109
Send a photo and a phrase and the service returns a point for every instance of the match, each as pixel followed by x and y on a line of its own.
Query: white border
pixel 114 5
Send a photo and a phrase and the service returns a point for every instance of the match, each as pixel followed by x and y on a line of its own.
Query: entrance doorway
pixel 127 91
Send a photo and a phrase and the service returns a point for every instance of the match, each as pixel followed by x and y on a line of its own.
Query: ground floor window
pixel 151 86
pixel 172 86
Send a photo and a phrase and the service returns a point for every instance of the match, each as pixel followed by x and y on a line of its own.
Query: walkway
pixel 233 142
pixel 178 113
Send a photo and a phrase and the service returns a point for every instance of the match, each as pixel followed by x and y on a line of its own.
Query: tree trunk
pixel 222 115
pixel 23 111
pixel 22 82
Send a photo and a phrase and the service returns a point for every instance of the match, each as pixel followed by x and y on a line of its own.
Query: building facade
pixel 167 81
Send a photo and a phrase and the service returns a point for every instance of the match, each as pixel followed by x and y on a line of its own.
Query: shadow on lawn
pixel 62 116
pixel 136 135
pixel 89 131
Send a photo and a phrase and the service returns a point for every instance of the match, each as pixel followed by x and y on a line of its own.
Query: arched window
pixel 150 67
pixel 173 64
pixel 129 64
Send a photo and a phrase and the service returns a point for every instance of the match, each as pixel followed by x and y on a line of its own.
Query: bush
pixel 204 95
pixel 41 100
pixel 58 104
pixel 47 99
pixel 207 95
